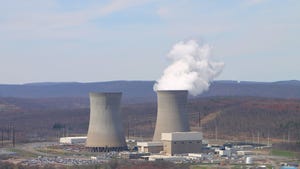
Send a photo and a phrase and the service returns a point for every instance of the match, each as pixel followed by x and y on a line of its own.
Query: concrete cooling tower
pixel 105 128
pixel 171 112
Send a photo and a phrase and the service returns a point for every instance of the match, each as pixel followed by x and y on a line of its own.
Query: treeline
pixel 257 118
pixel 248 118
pixel 295 147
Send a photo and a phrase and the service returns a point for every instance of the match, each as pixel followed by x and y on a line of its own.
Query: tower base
pixel 107 149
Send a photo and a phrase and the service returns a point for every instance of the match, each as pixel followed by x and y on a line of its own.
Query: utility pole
pixel 8 132
pixel 134 127
pixel 258 137
pixel 65 130
pixel 13 135
pixel 268 138
pixel 288 137
pixel 216 132
pixel 128 130
pixel 11 131
pixel 199 122
pixel 2 137
pixel 216 129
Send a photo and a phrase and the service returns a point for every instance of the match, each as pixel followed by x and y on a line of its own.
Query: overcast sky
pixel 92 40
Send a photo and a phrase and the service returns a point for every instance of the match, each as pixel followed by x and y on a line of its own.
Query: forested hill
pixel 140 91
pixel 280 89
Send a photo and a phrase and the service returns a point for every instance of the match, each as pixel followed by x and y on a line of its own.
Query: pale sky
pixel 92 40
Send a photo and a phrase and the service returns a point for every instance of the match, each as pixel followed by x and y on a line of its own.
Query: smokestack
pixel 105 128
pixel 171 112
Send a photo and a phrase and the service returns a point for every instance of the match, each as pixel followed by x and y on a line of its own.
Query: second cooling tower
pixel 171 112
pixel 105 131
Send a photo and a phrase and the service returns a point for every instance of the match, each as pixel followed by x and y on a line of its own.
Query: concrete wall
pixel 105 131
pixel 150 147
pixel 153 149
pixel 182 147
pixel 181 136
pixel 171 112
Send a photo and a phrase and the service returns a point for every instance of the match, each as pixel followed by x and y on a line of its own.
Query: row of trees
pixel 8 135
pixel 254 118
pixel 249 116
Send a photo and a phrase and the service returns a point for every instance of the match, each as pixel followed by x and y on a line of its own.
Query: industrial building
pixel 171 112
pixel 150 147
pixel 225 152
pixel 72 140
pixel 105 131
pixel 174 143
pixel 182 142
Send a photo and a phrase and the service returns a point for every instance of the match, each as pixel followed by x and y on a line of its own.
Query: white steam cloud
pixel 192 68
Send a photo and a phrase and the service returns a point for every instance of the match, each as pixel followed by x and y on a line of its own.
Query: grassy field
pixel 23 153
pixel 288 154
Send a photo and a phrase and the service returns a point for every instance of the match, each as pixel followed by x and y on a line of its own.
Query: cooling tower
pixel 171 112
pixel 105 128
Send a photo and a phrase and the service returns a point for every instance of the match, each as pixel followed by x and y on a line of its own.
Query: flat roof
pixel 181 136
pixel 149 144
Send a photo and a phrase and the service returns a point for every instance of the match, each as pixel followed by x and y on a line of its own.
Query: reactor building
pixel 171 112
pixel 105 131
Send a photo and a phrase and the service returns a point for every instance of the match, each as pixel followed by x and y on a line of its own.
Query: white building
pixel 150 147
pixel 72 140
pixel 224 153
pixel 182 142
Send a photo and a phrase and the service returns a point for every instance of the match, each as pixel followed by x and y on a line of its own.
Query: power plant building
pixel 150 147
pixel 72 140
pixel 182 142
pixel 171 112
pixel 105 131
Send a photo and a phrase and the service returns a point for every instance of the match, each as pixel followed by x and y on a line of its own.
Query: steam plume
pixel 191 69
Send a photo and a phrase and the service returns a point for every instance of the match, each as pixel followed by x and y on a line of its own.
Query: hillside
pixel 133 91
pixel 142 91
pixel 241 118
pixel 231 109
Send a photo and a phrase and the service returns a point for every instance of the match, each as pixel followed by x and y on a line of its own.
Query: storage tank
pixel 171 112
pixel 249 160
pixel 105 131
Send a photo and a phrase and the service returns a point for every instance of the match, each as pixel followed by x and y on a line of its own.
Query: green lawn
pixel 283 153
pixel 199 167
